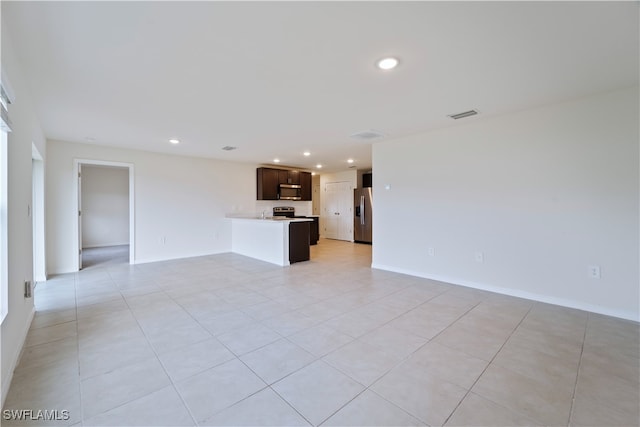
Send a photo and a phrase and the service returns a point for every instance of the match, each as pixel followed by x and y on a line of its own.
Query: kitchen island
pixel 278 241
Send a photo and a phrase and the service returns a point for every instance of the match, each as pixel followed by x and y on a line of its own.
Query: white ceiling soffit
pixel 279 78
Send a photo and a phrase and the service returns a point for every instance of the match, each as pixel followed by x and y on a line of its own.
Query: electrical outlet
pixel 593 271
pixel 162 240
pixel 27 289
pixel 431 251
pixel 479 257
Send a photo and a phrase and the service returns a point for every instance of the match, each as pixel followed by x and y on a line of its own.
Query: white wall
pixel 26 131
pixel 105 206
pixel 350 176
pixel 543 193
pixel 181 199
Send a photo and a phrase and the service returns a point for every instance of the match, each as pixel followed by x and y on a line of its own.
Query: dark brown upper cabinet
pixel 269 180
pixel 289 177
pixel 294 177
pixel 305 182
pixel 267 184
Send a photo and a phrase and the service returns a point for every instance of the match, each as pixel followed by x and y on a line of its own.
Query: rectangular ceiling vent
pixel 229 148
pixel 367 135
pixel 463 114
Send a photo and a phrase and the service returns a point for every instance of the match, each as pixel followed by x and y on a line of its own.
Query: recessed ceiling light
pixel 319 166
pixel 350 161
pixel 367 135
pixel 276 160
pixel 174 141
pixel 387 63
pixel 306 153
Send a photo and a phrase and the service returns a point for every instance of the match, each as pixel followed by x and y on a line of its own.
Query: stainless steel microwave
pixel 290 192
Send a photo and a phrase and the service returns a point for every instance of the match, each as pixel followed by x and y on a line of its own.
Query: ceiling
pixel 277 78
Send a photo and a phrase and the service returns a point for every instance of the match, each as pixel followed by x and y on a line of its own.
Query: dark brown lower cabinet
pixel 314 230
pixel 299 241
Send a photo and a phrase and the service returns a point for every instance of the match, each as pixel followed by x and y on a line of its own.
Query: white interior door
pixel 331 210
pixel 337 211
pixel 345 219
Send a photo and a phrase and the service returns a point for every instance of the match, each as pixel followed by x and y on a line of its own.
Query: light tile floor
pixel 228 340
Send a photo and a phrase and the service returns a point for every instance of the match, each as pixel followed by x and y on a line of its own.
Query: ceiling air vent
pixel 229 148
pixel 367 135
pixel 463 114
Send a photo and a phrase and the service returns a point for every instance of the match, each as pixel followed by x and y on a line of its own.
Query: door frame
pixel 38 216
pixel 77 204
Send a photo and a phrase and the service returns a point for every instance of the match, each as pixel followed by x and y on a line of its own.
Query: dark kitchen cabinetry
pixel 307 188
pixel 269 180
pixel 289 177
pixel 314 231
pixel 267 184
pixel 298 241
pixel 283 177
pixel 294 177
pixel 367 180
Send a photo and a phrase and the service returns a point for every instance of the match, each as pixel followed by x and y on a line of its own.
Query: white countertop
pixel 270 219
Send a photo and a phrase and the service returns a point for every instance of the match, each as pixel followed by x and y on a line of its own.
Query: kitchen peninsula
pixel 277 240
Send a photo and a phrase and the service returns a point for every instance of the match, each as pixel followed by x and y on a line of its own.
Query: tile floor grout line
pixel 402 409
pixel 400 362
pixel 153 349
pixel 346 403
pixel 403 360
pixel 173 383
pixel 236 357
pixel 354 339
pixel 316 359
pixel 80 388
pixel 575 385
pixel 290 405
pixel 487 367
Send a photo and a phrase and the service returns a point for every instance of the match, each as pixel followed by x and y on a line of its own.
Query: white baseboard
pixel 6 382
pixel 194 255
pixel 608 311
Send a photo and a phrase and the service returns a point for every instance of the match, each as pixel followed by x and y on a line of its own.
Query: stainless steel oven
pixel 285 211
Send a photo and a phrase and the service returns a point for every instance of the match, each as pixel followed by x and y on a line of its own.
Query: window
pixel 5 124
pixel 3 226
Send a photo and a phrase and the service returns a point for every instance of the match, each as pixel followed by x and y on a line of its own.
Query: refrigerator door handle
pixel 362 210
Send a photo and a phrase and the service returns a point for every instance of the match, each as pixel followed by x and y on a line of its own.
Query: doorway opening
pixel 105 196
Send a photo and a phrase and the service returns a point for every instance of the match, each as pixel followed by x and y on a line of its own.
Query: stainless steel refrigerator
pixel 362 221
